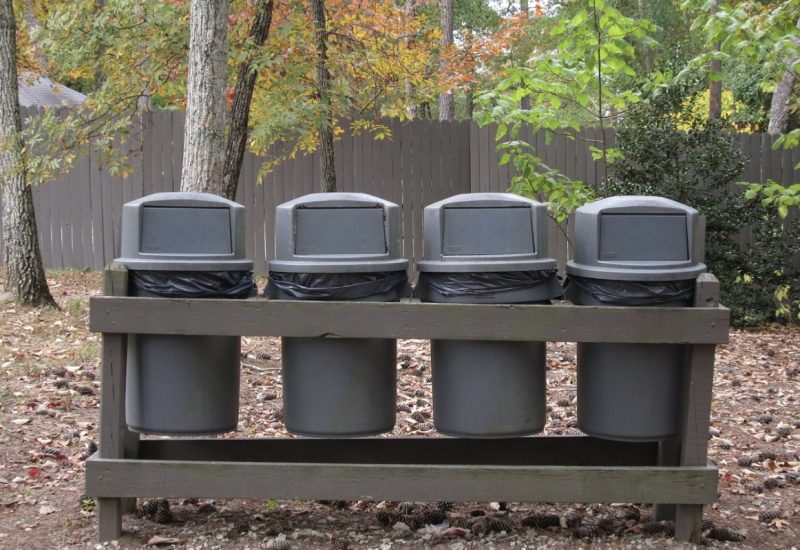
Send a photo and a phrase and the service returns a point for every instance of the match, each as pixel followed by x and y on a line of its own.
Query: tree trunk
pixel 326 158
pixel 25 278
pixel 471 104
pixel 715 86
pixel 446 108
pixel 644 50
pixel 242 96
pixel 413 109
pixel 779 107
pixel 204 134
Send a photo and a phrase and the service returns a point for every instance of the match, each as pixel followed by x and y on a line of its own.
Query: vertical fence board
pixel 41 206
pixel 85 211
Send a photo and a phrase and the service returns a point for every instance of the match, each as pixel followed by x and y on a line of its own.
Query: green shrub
pixel 672 153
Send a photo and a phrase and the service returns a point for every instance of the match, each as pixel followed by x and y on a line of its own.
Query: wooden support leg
pixel 694 448
pixel 118 439
pixel 114 433
pixel 698 382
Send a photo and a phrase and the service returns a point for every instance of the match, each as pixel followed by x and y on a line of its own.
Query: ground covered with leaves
pixel 49 408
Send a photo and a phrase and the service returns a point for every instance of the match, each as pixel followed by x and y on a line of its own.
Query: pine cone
pixel 725 535
pixel 84 390
pixel 572 520
pixel 264 355
pixel 405 508
pixel 479 527
pixel 419 417
pixel 402 407
pixel 541 521
pixel 51 451
pixel 419 392
pixel 669 528
pixel 774 482
pixel 279 544
pixel 426 427
pixel 340 544
pixel 446 505
pixel 784 431
pixel 753 487
pixel 207 508
pixel 586 532
pixel 339 504
pixel 766 455
pixel 769 515
pixel 386 519
pixel 163 516
pixel 412 521
pixel 563 402
pixel 764 418
pixel 433 517
pixel 792 476
pixel 269 395
pixel 745 461
pixel 499 524
pixel 423 403
pixel 148 508
pixel 61 383
pixel 633 514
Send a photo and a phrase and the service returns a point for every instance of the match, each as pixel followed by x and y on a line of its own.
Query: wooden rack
pixel 674 475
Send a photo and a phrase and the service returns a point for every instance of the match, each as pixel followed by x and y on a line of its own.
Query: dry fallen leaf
pixel 46 509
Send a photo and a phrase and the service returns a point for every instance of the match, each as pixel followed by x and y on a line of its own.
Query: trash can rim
pixel 638 271
pixel 476 264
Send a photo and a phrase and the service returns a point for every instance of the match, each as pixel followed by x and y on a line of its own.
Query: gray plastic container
pixel 182 385
pixel 633 251
pixel 330 246
pixel 487 248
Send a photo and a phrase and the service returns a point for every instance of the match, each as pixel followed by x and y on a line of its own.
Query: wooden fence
pixel 424 161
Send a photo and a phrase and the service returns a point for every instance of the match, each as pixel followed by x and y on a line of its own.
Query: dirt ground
pixel 49 408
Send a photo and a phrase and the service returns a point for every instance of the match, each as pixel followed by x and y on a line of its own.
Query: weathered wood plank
pixel 698 380
pixel 260 317
pixel 130 478
pixel 521 451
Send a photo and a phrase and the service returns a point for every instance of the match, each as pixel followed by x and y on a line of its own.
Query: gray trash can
pixel 345 247
pixel 487 248
pixel 633 251
pixel 188 245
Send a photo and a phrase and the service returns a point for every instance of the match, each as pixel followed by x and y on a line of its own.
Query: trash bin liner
pixel 337 286
pixel 193 284
pixel 482 283
pixel 635 293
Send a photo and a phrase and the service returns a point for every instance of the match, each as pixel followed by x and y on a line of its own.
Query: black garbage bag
pixel 337 286
pixel 482 284
pixel 193 284
pixel 634 293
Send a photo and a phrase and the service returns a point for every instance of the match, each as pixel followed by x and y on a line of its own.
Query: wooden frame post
pixel 116 441
pixel 698 382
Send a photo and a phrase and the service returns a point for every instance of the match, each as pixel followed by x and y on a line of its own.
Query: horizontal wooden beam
pixel 522 451
pixel 551 323
pixel 426 482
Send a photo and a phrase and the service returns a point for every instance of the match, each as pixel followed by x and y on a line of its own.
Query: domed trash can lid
pixel 338 233
pixel 637 238
pixel 183 232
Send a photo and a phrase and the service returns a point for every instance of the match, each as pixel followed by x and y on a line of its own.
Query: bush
pixel 672 153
